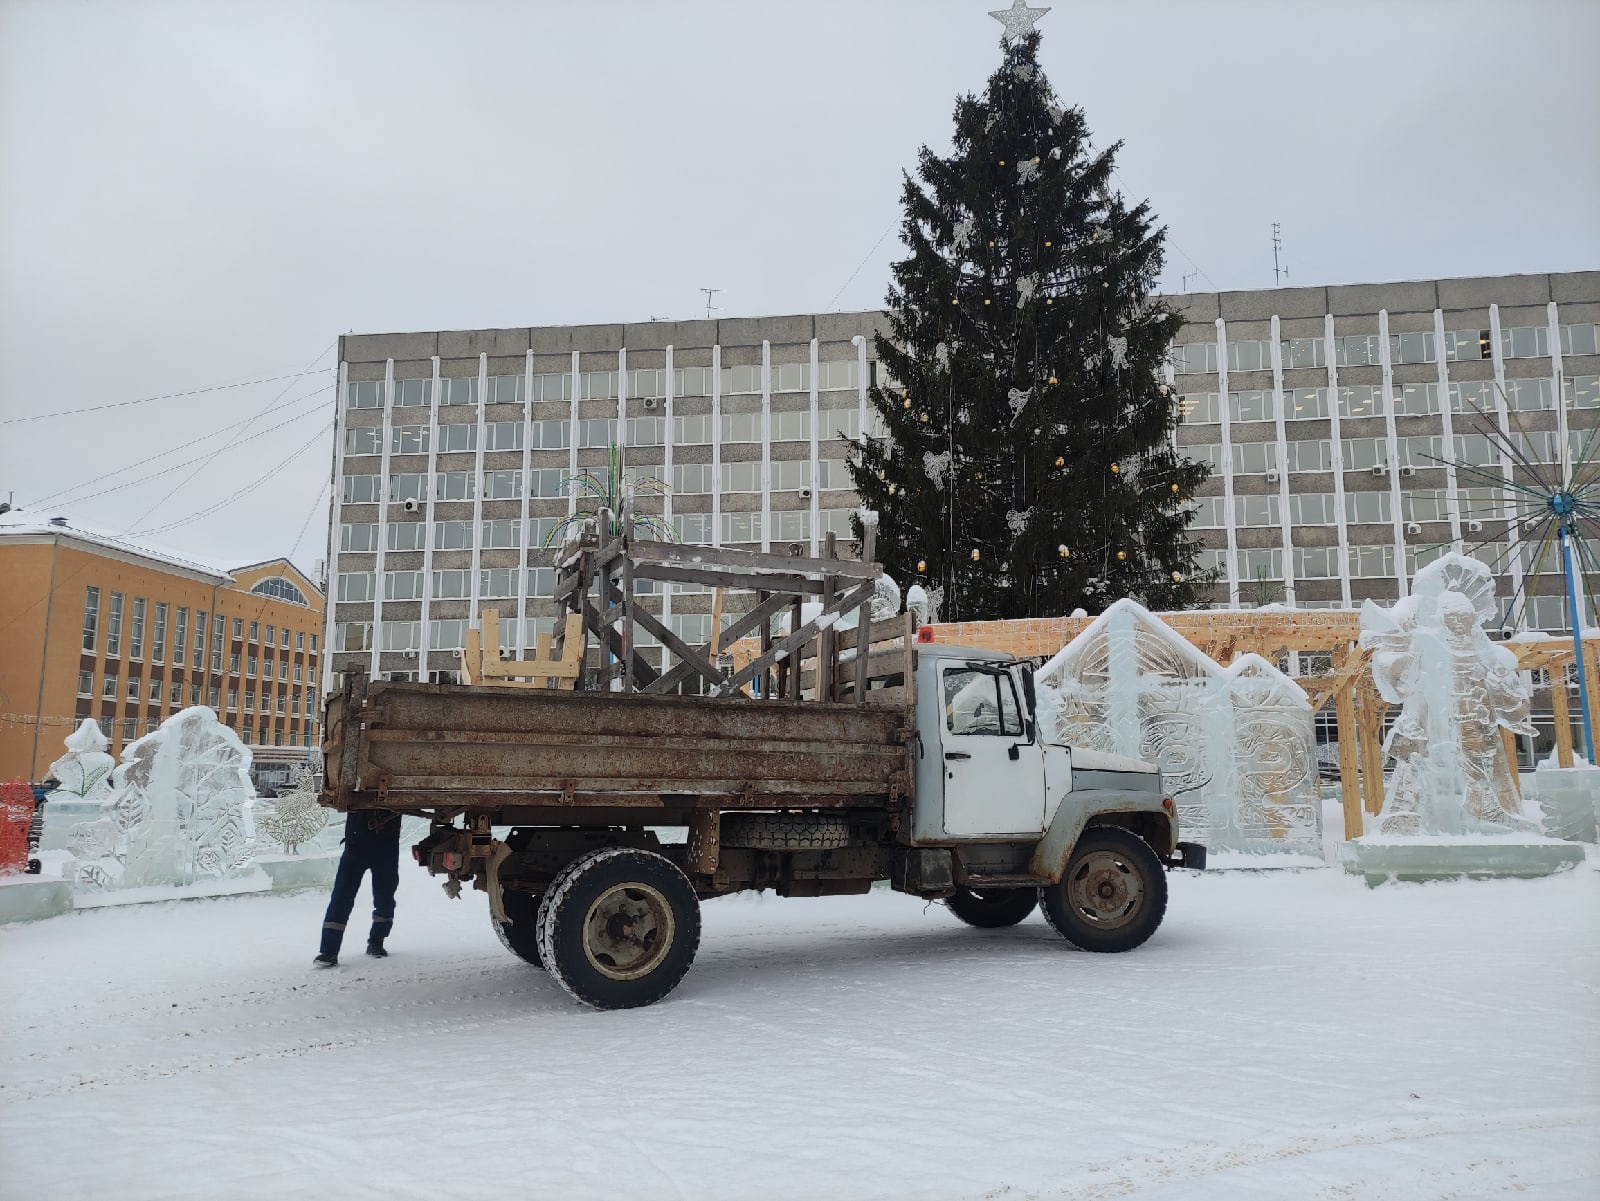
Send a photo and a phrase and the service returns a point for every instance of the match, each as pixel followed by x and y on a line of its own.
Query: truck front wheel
pixel 1113 894
pixel 619 927
pixel 992 908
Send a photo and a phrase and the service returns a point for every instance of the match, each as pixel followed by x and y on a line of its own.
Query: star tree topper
pixel 1019 19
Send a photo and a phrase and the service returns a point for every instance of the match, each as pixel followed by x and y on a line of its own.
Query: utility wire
pixel 43 500
pixel 119 404
pixel 887 230
pixel 241 493
pixel 265 409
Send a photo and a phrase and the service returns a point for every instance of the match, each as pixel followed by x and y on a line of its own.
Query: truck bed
pixel 528 755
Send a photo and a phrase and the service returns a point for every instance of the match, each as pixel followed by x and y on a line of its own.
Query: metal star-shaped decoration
pixel 1019 19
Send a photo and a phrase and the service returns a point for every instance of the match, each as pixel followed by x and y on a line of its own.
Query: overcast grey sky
pixel 205 193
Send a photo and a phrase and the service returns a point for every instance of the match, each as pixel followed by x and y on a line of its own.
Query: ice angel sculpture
pixel 1456 691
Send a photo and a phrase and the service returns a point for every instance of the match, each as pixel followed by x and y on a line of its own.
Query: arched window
pixel 281 588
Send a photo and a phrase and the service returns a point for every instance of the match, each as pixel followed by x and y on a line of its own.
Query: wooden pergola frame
pixel 1224 634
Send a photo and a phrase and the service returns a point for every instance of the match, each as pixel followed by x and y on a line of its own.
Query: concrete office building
pixel 1317 407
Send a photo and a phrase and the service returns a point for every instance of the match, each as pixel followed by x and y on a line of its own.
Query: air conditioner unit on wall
pixel 412 505
pixel 1381 469
pixel 1272 477
pixel 1408 471
pixel 652 402
pixel 1474 527
pixel 409 654
pixel 805 493
pixel 1413 527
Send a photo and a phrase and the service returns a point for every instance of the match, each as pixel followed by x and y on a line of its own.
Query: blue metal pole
pixel 1575 615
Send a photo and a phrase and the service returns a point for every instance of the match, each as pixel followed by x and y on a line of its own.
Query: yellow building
pixel 94 626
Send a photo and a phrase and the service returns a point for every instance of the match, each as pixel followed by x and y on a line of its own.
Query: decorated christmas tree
pixel 1029 467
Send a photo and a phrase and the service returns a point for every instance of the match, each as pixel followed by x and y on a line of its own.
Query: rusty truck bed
pixel 534 755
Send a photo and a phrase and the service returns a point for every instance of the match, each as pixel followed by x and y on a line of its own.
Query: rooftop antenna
pixel 1279 273
pixel 1187 276
pixel 710 292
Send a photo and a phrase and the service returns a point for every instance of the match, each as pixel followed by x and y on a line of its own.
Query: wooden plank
pixel 1349 761
pixel 472 658
pixel 686 653
pixel 745 562
pixel 1508 744
pixel 715 646
pixel 775 582
pixel 1369 719
pixel 869 536
pixel 826 654
pixel 1562 712
pixel 629 604
pixel 799 638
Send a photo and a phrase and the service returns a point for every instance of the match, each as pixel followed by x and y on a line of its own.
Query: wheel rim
pixel 627 931
pixel 1105 890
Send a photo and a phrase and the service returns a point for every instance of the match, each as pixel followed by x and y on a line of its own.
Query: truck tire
pixel 520 936
pixel 992 908
pixel 1113 894
pixel 619 927
pixel 785 831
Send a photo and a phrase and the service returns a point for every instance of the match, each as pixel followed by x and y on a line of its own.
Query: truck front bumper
pixel 1190 854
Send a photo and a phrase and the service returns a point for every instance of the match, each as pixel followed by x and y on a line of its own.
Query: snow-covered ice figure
pixel 1235 745
pixel 1456 690
pixel 180 809
pixel 85 770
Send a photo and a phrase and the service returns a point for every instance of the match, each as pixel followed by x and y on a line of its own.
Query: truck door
pixel 993 772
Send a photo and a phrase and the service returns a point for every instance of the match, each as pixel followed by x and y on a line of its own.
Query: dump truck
pixel 599 807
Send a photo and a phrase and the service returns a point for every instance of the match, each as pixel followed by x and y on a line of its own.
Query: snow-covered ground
pixel 1285 1035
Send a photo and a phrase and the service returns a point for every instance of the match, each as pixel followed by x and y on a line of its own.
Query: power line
pixel 241 493
pixel 186 479
pixel 43 500
pixel 860 265
pixel 119 404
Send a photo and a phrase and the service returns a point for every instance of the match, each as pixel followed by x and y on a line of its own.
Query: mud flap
pixel 499 852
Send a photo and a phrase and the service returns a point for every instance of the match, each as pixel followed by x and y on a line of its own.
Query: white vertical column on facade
pixel 1564 450
pixel 1508 509
pixel 716 444
pixel 341 402
pixel 435 390
pixel 1169 377
pixel 766 445
pixel 860 343
pixel 1452 495
pixel 1336 447
pixel 622 412
pixel 525 524
pixel 666 502
pixel 1283 465
pixel 816 456
pixel 1229 526
pixel 473 585
pixel 383 514
pixel 572 438
pixel 1397 517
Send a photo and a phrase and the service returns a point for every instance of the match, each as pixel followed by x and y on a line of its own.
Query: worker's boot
pixel 375 949
pixel 326 959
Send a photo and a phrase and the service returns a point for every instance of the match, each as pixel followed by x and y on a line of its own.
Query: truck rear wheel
pixel 1113 894
pixel 992 908
pixel 520 935
pixel 619 928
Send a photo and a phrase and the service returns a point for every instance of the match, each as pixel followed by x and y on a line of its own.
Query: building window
pixel 1249 356
pixel 108 686
pixel 155 692
pixel 1367 508
pixel 1368 562
pixel 353 635
pixel 158 641
pixel 1579 339
pixel 456 439
pixel 114 625
pixel 541 581
pixel 552 386
pixel 647 431
pixel 313 644
pixel 410 485
pixel 297 671
pixel 413 393
pixel 175 696
pixel 233 699
pixel 550 435
pixel 1255 510
pixel 299 640
pixel 86 683
pixel 1254 458
pixel 741 427
pixel 1251 406
pixel 1311 508
pixel 194 694
pixel 1529 395
pixel 447 635
pixel 1209 453
pixel 356 586
pixel 502 485
pixel 839 375
pixel 507 389
pixel 1525 342
pixel 1195 358
pixel 454 584
pixel 407 535
pixel 790 526
pixel 136 629
pixel 365 394
pixel 1363 454
pixel 741 527
pixel 214 696
pixel 1207 512
pixel 180 635
pixel 453 485
pixel 281 589
pixel 233 663
pixel 693 628
pixel 741 477
pixel 1462 345
pixel 790 475
pixel 1412 348
pixel 399 635
pixel 494 583
pixel 1260 563
pixel 692 430
pixel 1316 562
pixel 597 385
pixel 1199 408
pixel 362 489
pixel 402 585
pixel 459 390
pixel 363 537
pixel 1416 400
pixel 250 665
pixel 249 700
pixel 366 440
pixel 504 435
pixel 1303 352
pixel 1583 391
pixel 1305 404
pixel 546 482
pixel 130 729
pixel 91 618
pixel 502 534
pixel 1363 400
pixel 1358 350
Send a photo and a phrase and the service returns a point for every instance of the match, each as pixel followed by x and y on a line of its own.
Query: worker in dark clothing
pixel 371 844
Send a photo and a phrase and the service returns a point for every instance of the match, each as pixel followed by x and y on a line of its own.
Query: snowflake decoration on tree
pixel 936 465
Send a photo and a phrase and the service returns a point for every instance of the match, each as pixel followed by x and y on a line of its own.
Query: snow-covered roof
pixel 20 525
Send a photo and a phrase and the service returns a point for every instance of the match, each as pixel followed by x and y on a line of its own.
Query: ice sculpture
pixel 85 770
pixel 294 817
pixel 1235 744
pixel 180 809
pixel 1456 690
